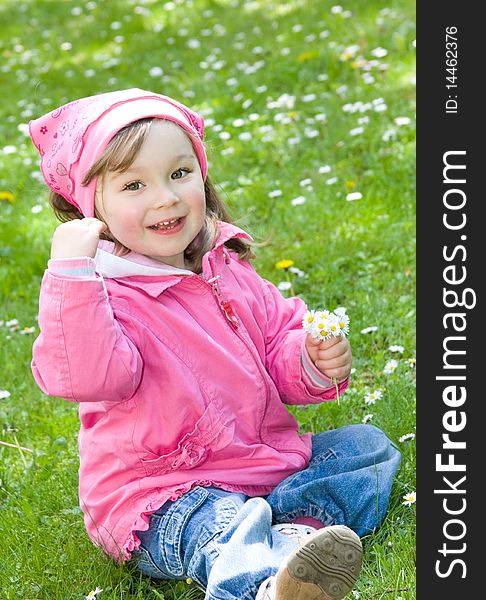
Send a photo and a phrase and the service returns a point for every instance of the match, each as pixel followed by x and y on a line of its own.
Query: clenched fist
pixel 332 356
pixel 77 238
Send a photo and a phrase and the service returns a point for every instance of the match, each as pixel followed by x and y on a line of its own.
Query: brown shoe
pixel 324 567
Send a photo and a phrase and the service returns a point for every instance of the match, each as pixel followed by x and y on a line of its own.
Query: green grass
pixel 359 254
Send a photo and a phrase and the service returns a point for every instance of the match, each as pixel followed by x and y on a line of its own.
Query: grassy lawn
pixel 306 103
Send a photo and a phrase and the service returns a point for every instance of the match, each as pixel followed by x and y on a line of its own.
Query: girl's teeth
pixel 164 224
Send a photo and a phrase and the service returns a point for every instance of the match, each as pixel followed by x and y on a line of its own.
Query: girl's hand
pixel 332 357
pixel 77 238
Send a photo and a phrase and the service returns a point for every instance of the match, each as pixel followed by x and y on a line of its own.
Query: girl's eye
pixel 179 173
pixel 133 186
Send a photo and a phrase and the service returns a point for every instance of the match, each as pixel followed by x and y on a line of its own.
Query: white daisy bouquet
pixel 325 324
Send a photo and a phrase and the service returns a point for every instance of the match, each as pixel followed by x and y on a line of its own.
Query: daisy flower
pixel 410 498
pixel 372 397
pixel 396 349
pixel 407 436
pixel 367 418
pixel 390 366
pixel 411 362
pixel 325 324
pixel 334 325
pixel 93 594
pixel 369 329
pixel 308 319
pixel 4 394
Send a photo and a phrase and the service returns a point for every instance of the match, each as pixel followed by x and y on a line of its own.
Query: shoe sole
pixel 325 567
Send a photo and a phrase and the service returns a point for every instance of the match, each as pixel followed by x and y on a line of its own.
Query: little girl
pixel 182 359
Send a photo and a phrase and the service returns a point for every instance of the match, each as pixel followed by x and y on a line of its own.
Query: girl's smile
pixel 157 206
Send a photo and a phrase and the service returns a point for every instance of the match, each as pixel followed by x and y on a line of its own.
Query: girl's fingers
pixel 338 348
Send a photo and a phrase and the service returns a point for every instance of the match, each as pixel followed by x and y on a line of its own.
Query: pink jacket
pixel 180 379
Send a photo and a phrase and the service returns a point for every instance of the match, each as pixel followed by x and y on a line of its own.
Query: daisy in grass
pixel 93 594
pixel 372 397
pixel 390 366
pixel 407 436
pixel 369 329
pixel 410 498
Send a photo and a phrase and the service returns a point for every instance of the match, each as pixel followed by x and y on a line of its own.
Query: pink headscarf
pixel 71 138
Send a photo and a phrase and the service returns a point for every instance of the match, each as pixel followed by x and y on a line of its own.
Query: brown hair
pixel 118 156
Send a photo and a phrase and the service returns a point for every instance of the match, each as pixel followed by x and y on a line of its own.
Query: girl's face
pixel 157 206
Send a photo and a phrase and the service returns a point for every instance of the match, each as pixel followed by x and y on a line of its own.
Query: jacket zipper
pixel 225 305
pixel 230 315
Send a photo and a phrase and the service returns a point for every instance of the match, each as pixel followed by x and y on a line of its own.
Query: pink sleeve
pixel 284 345
pixel 72 268
pixel 81 353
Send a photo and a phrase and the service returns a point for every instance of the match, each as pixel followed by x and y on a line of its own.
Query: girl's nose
pixel 166 196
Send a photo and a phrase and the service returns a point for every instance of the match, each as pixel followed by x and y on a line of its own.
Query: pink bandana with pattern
pixel 71 138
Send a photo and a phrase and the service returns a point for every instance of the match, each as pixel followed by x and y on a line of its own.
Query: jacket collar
pixel 151 276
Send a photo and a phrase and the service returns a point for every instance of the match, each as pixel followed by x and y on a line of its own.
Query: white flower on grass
pixel 379 52
pixel 356 131
pixel 305 182
pixel 4 394
pixel 298 201
pixel 395 348
pixel 367 418
pixel 9 149
pixel 407 436
pixel 93 594
pixel 331 181
pixel 388 135
pixel 390 366
pixel 12 325
pixel 369 329
pixel 410 498
pixel 311 133
pixel 297 272
pixel 284 286
pixel 325 169
pixel 275 193
pixel 27 330
pixel 402 121
pixel 380 108
pixel 156 72
pixel 36 209
pixel 411 362
pixel 372 397
pixel 354 196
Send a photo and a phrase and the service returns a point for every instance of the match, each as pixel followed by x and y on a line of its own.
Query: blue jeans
pixel 224 541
